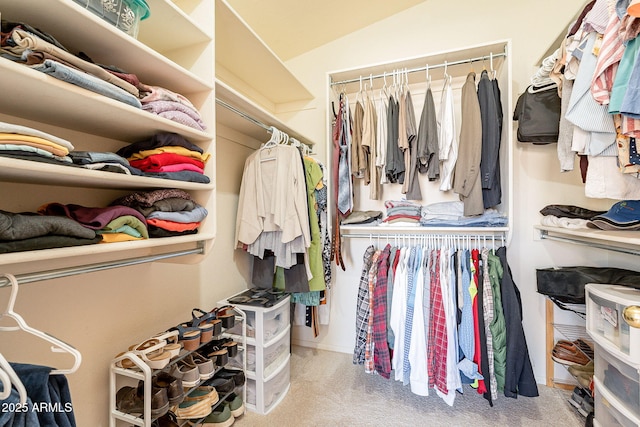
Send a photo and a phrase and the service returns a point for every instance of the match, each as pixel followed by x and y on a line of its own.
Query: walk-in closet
pixel 228 212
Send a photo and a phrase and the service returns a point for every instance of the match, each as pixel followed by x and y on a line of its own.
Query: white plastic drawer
pixel 605 321
pixel 272 390
pixel 274 323
pixel 621 380
pixel 273 356
pixel 607 411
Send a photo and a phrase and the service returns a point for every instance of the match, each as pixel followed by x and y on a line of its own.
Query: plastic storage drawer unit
pixel 273 354
pixel 606 305
pixel 273 390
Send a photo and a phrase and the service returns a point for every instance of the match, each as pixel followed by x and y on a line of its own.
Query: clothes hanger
pixel 275 136
pixel 13 379
pixel 58 345
pixel 428 77
pixel 6 384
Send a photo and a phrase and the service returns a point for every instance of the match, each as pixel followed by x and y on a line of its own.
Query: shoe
pixel 218 354
pixel 173 346
pixel 585 347
pixel 204 365
pixel 226 315
pixel 581 369
pixel 222 385
pixel 131 400
pixel 206 332
pixel 167 420
pixel 219 417
pixel 189 336
pixel 566 353
pixel 200 317
pixel 577 397
pixel 207 393
pixel 189 375
pixel 175 390
pixel 235 404
pixel 237 375
pixel 586 406
pixel 152 353
pixel 193 409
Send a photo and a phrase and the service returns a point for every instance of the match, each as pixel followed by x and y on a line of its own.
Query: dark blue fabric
pixel 12 414
pixel 49 393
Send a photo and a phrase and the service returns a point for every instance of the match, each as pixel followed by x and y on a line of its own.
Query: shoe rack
pixel 268 348
pixel 574 331
pixel 141 371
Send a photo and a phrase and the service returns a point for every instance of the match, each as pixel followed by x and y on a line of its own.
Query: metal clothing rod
pixel 248 117
pixel 544 234
pixel 418 69
pixel 90 268
pixel 243 114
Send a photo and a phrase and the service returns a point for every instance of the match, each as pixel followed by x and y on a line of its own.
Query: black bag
pixel 565 285
pixel 538 115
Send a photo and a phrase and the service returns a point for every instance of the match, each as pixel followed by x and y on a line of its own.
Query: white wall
pixel 436 26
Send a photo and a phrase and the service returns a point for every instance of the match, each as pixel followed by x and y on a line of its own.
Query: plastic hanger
pixel 5 380
pixel 275 137
pixel 13 379
pixel 58 346
pixel 428 76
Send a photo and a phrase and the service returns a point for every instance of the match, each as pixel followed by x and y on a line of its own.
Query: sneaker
pixel 235 404
pixel 131 400
pixel 207 393
pixel 577 397
pixel 189 375
pixel 175 390
pixel 219 417
pixel 193 409
pixel 586 406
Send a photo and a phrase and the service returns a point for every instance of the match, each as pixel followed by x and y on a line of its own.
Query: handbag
pixel 565 285
pixel 538 115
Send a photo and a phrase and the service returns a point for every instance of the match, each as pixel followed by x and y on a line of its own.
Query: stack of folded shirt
pixel 172 106
pixel 41 52
pixel 115 223
pixel 451 214
pixel 624 215
pixel 168 155
pixel 168 212
pixel 402 212
pixel 104 161
pixel 29 231
pixel 25 143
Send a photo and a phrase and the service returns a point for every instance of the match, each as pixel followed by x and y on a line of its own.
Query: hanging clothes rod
pixel 91 268
pixel 544 234
pixel 484 236
pixel 419 69
pixel 249 118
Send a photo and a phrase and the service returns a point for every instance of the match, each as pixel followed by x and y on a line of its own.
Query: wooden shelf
pixel 618 241
pixel 245 62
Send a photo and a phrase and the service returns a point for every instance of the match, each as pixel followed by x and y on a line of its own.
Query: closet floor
pixel 327 389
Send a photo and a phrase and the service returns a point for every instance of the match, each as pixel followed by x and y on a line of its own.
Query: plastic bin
pixel 123 14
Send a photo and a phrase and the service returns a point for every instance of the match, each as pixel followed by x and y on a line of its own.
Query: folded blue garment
pixel 86 81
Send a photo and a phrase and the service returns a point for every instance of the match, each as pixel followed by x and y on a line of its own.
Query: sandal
pixel 173 346
pixel 200 317
pixel 152 353
pixel 189 336
pixel 226 315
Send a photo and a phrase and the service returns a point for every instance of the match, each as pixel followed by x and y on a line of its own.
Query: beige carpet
pixel 328 390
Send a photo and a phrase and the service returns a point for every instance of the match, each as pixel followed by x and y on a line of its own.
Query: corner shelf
pixel 247 63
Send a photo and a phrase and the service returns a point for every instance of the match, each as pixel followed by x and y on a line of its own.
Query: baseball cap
pixel 623 215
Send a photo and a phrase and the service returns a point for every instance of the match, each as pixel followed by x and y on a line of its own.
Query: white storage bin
pixel 605 323
pixel 274 323
pixel 620 379
pixel 606 409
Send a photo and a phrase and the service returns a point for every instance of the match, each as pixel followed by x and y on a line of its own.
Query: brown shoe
pixel 567 353
pixel 131 400
pixel 175 390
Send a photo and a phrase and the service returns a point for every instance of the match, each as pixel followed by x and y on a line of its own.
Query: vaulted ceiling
pixel 293 27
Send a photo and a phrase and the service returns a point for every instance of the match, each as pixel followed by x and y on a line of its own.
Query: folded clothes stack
pixel 25 143
pixel 168 212
pixel 168 155
pixel 402 212
pixel 451 214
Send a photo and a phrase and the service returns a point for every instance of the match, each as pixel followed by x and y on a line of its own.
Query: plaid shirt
pixel 381 356
pixel 363 309
pixel 437 351
pixel 369 345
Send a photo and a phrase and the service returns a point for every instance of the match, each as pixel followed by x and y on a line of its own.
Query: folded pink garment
pixel 175 168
